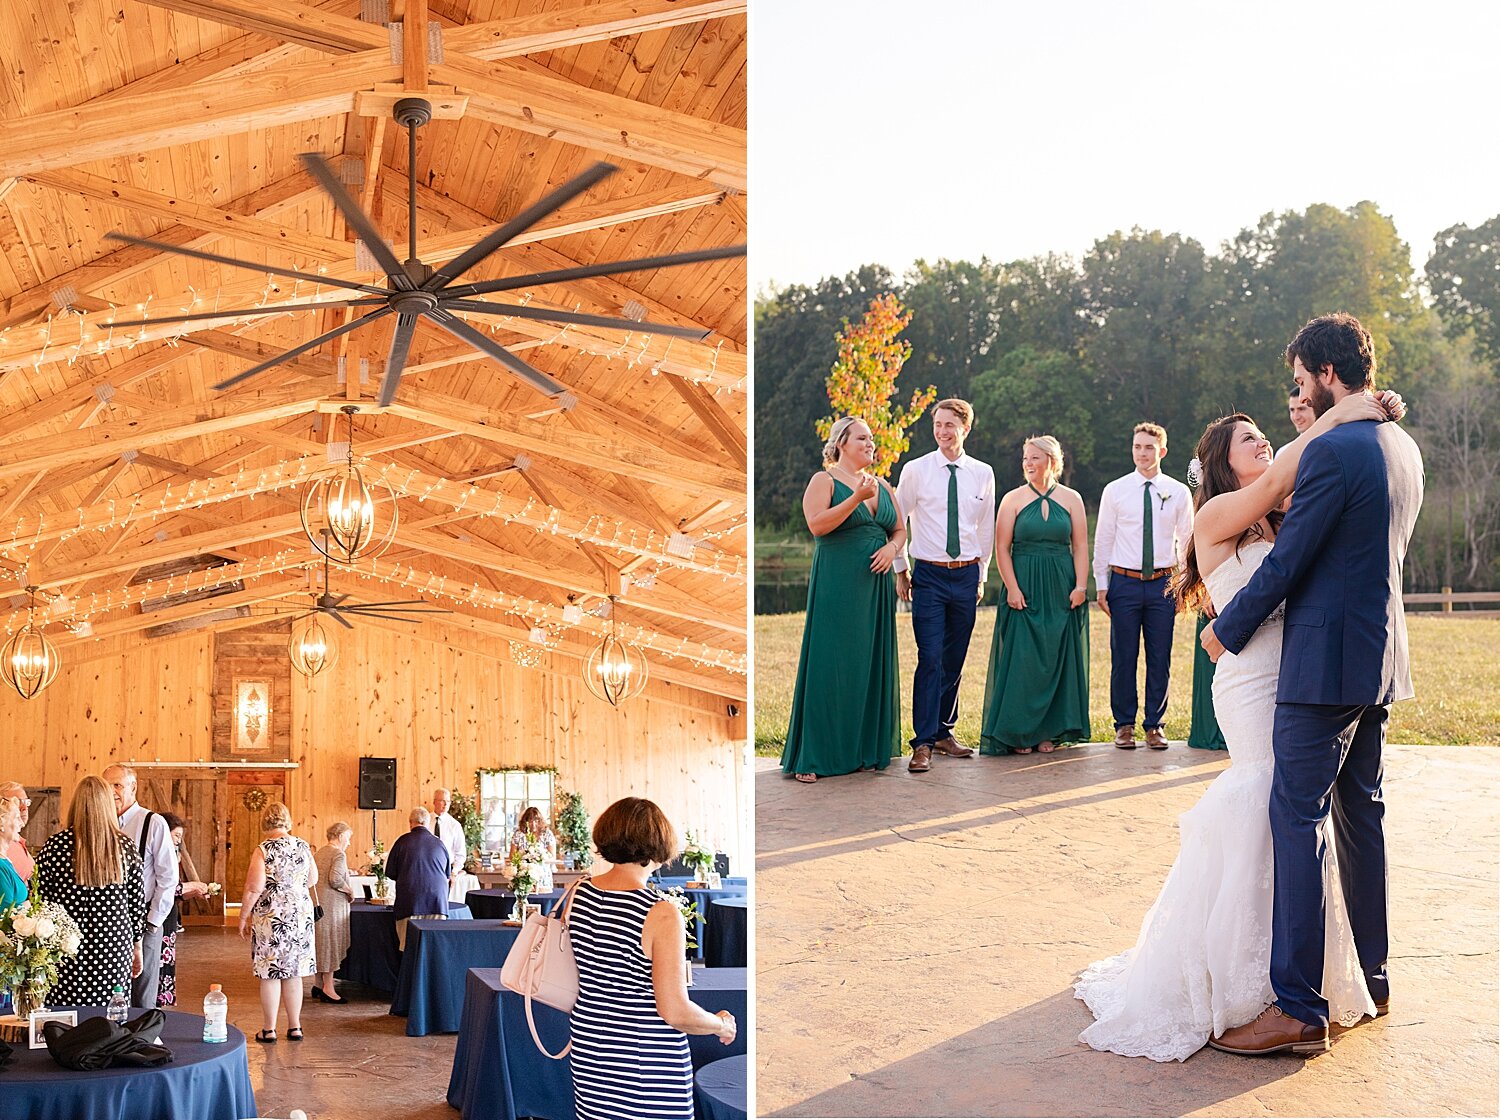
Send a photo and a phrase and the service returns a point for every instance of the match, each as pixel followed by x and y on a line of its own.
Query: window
pixel 504 795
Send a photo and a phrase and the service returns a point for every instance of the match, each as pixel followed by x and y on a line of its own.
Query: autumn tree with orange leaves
pixel 863 380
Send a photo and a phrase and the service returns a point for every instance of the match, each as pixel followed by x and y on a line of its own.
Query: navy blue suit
pixel 1337 563
pixel 419 863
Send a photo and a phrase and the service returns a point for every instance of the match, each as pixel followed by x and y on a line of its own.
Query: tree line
pixel 1151 326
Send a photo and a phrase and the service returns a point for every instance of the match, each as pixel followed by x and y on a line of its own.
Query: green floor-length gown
pixel 1204 732
pixel 1038 682
pixel 846 710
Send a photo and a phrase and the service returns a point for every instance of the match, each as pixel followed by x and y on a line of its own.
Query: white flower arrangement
pixel 690 916
pixel 698 856
pixel 35 938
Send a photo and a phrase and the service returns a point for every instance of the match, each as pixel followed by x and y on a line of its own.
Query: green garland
pixel 573 829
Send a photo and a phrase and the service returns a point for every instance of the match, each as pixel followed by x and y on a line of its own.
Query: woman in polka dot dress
pixel 93 871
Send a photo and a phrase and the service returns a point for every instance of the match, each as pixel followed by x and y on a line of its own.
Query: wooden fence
pixel 1472 604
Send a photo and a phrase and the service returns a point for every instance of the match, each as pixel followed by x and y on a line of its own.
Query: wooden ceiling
pixel 182 121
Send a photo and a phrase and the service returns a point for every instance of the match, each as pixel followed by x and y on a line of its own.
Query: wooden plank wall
pixel 443 703
pixel 253 653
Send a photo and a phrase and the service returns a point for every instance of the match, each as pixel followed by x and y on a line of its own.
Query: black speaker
pixel 377 783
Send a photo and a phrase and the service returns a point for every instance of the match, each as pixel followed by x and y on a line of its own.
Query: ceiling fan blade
pixel 390 603
pixel 379 248
pixel 339 618
pixel 517 225
pixel 487 345
pixel 304 614
pixel 248 312
pixel 395 362
pixel 604 268
pixel 235 262
pixel 305 347
pixel 697 334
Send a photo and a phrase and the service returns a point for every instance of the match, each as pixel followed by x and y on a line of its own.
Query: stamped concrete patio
pixel 917 937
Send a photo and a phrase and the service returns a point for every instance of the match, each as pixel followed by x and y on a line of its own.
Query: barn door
pixel 249 792
pixel 45 819
pixel 194 796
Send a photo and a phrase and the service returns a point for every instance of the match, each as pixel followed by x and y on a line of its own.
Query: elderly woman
pixel 846 708
pixel 15 850
pixel 630 1024
pixel 189 887
pixel 276 911
pixel 334 895
pixel 12 886
pixel 93 871
pixel 1037 691
pixel 532 832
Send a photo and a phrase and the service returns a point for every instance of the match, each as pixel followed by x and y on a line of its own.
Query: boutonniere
pixel 1162 498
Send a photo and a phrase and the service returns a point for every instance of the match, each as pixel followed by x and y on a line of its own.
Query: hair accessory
pixel 1195 472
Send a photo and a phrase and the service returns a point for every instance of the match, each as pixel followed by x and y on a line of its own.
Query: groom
pixel 1337 564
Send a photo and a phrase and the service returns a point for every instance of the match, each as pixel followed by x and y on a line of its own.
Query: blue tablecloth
pixel 204 1081
pixel 706 898
pixel 720 1089
pixel 493 902
pixel 728 944
pixel 499 1074
pixel 373 958
pixel 430 991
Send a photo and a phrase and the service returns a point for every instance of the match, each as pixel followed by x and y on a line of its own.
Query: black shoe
pixel 317 993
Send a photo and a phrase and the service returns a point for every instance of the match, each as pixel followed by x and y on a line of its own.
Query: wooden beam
pixel 155 552
pixel 195 215
pixel 287 20
pixel 584 23
pixel 134 623
pixel 714 418
pixel 413 44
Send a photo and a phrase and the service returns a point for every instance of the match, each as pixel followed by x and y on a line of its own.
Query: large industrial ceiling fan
pixel 415 290
pixel 337 608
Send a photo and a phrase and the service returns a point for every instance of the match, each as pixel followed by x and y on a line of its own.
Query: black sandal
pixel 268 1037
pixel 294 1034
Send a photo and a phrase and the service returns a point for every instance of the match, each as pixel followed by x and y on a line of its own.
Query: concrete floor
pixel 355 1061
pixel 917 938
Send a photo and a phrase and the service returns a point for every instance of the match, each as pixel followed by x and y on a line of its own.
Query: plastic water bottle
pixel 215 1015
pixel 119 1006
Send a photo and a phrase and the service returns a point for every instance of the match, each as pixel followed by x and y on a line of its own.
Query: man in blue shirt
pixel 420 864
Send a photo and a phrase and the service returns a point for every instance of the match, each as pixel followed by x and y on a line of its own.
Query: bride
pixel 1202 961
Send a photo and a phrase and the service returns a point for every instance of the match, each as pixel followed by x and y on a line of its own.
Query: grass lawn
pixel 1456 671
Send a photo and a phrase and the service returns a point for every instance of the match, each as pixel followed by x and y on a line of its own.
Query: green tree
pixel 863 380
pixel 1464 275
pixel 1028 393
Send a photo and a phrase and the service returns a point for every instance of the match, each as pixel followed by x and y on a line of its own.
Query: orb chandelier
pixel 615 670
pixel 29 661
pixel 312 648
pixel 346 516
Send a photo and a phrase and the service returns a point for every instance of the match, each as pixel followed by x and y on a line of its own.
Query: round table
pixel 204 1080
pixel 728 933
pixel 720 1089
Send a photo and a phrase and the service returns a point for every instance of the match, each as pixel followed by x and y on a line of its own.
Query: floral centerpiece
pixel 698 857
pixel 377 869
pixel 691 919
pixel 525 870
pixel 35 938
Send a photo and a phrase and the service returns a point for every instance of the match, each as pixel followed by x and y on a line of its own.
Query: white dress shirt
pixel 1118 535
pixel 923 495
pixel 159 875
pixel 447 829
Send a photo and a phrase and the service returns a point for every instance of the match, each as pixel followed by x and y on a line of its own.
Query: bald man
pixel 149 833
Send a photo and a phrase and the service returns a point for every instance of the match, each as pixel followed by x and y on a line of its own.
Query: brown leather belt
pixel 950 563
pixel 1134 573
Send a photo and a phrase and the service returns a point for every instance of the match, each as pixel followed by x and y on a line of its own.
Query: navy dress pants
pixel 1139 607
pixel 1328 761
pixel 943 606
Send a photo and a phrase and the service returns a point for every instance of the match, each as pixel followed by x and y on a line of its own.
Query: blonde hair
pixel 960 408
pixel 1049 447
pixel 837 435
pixel 276 816
pixel 98 844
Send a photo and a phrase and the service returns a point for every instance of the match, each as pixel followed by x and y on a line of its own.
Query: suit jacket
pixel 1337 564
pixel 419 863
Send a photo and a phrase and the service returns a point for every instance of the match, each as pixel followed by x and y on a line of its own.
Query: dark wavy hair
pixel 1215 477
pixel 1339 341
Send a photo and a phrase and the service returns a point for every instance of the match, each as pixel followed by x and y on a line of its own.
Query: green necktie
pixel 953 510
pixel 1148 548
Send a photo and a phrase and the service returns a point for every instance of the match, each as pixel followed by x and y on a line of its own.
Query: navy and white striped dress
pixel 628 1064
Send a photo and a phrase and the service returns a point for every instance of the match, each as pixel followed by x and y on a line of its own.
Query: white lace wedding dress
pixel 1202 961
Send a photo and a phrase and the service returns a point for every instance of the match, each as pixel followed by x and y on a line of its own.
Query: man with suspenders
pixel 149 833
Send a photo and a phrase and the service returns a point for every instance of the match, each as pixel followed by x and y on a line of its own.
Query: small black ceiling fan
pixel 392 610
pixel 415 290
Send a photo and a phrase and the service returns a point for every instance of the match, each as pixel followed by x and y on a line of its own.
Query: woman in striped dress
pixel 630 1025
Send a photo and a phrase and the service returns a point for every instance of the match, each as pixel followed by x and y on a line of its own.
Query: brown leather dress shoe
pixel 953 748
pixel 921 759
pixel 1272 1032
pixel 1382 1009
pixel 1125 737
pixel 1156 738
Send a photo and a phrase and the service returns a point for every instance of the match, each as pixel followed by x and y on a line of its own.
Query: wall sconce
pixel 252 716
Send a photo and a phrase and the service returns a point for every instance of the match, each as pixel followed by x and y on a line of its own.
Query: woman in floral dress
pixel 277 913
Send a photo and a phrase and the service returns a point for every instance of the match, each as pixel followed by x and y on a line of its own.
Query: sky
pixel 884 132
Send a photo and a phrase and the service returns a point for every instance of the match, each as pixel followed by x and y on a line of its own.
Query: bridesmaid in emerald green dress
pixel 1037 692
pixel 846 710
pixel 1204 731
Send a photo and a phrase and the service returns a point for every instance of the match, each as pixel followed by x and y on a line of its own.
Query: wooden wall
pixel 442 702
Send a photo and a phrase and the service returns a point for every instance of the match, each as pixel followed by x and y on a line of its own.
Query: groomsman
pixel 1145 523
pixel 949 499
pixel 1300 412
